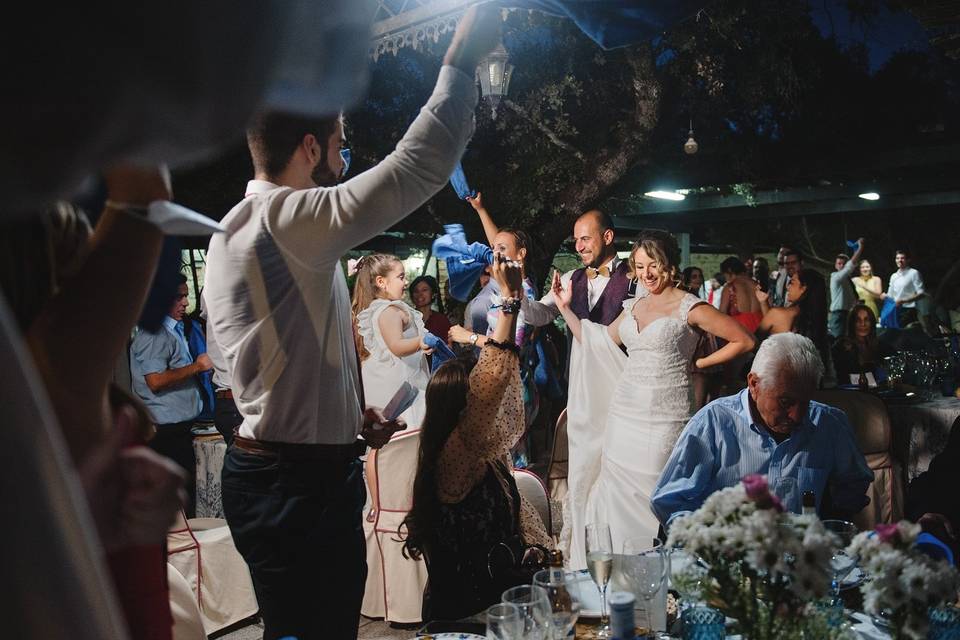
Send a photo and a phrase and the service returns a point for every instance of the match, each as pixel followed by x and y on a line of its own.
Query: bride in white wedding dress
pixel 638 404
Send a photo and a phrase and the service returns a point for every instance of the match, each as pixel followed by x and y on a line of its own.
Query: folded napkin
pixel 465 262
pixel 441 352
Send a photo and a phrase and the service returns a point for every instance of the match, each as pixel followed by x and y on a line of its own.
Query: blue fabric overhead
pixel 616 23
pixel 459 183
pixel 465 262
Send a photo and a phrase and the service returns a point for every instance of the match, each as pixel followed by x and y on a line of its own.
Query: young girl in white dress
pixel 390 342
pixel 640 401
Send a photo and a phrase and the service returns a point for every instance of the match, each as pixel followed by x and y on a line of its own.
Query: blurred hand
pixel 560 295
pixel 476 36
pixel 459 335
pixel 377 430
pixel 860 242
pixel 204 362
pixel 137 184
pixel 476 201
pixel 427 349
pixel 508 274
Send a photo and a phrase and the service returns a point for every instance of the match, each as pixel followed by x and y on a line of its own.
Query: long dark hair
pixel 870 346
pixel 812 319
pixel 446 398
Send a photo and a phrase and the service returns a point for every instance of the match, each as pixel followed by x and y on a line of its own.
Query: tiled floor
pixel 369 630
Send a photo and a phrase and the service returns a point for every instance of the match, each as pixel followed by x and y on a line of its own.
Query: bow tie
pixel 602 271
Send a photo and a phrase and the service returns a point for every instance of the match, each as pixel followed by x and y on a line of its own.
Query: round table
pixel 209 452
pixel 921 430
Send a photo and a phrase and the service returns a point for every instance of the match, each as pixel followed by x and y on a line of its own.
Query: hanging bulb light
pixel 690 147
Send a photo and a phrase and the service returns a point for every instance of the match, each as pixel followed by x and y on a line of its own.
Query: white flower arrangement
pixel 906 582
pixel 763 566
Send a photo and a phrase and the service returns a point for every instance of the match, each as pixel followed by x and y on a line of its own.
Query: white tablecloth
pixel 920 431
pixel 209 452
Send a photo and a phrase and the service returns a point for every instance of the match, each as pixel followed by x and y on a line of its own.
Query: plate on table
pixel 449 636
pixel 853 579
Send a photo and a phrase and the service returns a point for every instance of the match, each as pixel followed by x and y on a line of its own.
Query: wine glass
pixel 504 622
pixel 646 569
pixel 564 605
pixel 599 548
pixel 534 608
pixel 841 562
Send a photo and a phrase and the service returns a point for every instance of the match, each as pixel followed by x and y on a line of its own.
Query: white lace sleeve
pixel 688 302
pixel 368 325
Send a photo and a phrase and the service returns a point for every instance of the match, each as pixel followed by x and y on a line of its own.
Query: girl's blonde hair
pixel 663 248
pixel 365 288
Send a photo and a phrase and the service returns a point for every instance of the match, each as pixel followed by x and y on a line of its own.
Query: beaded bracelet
pixel 506 346
pixel 510 306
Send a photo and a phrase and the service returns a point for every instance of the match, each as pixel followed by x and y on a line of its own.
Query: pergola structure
pixel 413 23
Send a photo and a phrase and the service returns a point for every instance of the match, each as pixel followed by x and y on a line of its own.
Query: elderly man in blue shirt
pixel 770 428
pixel 163 374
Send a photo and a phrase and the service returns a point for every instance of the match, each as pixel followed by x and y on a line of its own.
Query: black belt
pixel 295 451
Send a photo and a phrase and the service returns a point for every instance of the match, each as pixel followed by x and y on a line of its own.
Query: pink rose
pixel 888 533
pixel 759 491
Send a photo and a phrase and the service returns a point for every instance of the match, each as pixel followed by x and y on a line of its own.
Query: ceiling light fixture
pixel 665 195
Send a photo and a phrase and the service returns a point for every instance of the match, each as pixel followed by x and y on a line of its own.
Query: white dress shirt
pixel 279 305
pixel 544 311
pixel 903 283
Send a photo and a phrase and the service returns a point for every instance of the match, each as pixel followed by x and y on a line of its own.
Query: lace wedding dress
pixel 648 400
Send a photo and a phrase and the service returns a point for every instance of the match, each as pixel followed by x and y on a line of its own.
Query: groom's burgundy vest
pixel 610 304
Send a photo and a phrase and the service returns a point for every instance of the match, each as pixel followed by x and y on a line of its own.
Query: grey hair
pixel 787 351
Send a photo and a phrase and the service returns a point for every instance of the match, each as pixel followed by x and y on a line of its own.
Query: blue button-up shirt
pixel 721 444
pixel 158 352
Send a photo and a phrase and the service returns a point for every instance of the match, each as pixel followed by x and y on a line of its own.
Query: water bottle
pixel 622 626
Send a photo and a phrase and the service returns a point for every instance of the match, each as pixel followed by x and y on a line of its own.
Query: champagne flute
pixel 564 605
pixel 646 568
pixel 841 562
pixel 599 548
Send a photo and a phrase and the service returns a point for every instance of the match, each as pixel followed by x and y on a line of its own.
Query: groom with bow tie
pixel 599 287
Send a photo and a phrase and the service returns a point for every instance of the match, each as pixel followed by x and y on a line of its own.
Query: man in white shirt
pixel 842 294
pixel 279 309
pixel 905 288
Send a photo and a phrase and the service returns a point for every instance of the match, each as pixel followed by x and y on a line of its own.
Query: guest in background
pixel 869 287
pixel 715 289
pixel 842 294
pixel 788 261
pixel 859 350
pixel 739 300
pixel 475 316
pixel 905 288
pixel 163 374
pixel 761 273
pixel 805 313
pixel 932 498
pixel 466 505
pixel 771 428
pixel 424 292
pixel 692 281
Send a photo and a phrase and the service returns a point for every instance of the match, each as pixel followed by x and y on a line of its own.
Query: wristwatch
pixel 473 339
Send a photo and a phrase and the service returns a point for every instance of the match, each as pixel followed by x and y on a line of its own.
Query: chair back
pixel 874 435
pixel 558 465
pixel 395 467
pixel 180 536
pixel 531 488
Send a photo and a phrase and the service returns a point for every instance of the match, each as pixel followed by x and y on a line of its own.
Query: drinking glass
pixel 786 490
pixel 703 623
pixel 534 608
pixel 599 548
pixel 504 622
pixel 841 562
pixel 564 605
pixel 646 569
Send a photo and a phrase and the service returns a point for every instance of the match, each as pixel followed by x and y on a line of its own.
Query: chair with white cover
pixel 557 469
pixel 395 584
pixel 871 428
pixel 187 621
pixel 202 550
pixel 531 488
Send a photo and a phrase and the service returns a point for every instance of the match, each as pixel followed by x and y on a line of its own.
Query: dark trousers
pixel 298 526
pixel 906 315
pixel 837 323
pixel 175 441
pixel 226 417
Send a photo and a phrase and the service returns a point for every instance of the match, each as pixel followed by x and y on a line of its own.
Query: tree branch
pixel 554 138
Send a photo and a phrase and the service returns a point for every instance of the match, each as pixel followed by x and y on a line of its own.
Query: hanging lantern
pixel 494 74
pixel 690 147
